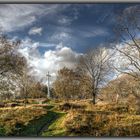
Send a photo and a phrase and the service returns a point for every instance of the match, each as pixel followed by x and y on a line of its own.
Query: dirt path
pixel 54 116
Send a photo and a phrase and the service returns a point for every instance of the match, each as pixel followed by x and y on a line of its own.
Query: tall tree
pixel 70 84
pixel 127 32
pixel 11 64
pixel 96 64
pixel 11 60
pixel 65 85
pixel 25 83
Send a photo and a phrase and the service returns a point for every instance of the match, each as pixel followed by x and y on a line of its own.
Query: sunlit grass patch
pixel 102 120
pixel 56 128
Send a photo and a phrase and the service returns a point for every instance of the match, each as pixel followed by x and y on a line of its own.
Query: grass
pixel 74 118
pixel 2 131
pixel 12 119
pixel 100 120
pixel 56 128
pixel 34 128
pixel 27 121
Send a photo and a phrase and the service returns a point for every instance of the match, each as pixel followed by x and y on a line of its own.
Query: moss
pixel 56 128
pixel 2 131
pixel 35 127
pixel 49 107
pixel 14 119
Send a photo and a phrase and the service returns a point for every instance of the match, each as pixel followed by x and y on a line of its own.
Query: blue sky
pixel 53 35
pixel 78 26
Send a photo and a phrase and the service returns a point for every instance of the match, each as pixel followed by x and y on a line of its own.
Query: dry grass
pixel 81 119
pixel 11 118
pixel 68 106
pixel 100 120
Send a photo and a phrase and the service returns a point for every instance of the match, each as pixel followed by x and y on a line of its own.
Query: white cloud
pixel 46 45
pixel 131 9
pixel 17 16
pixel 60 36
pixel 123 63
pixel 66 33
pixel 59 46
pixel 51 60
pixel 65 20
pixel 61 56
pixel 93 32
pixel 35 31
pixel 29 44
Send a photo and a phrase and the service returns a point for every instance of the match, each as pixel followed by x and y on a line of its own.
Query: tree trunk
pixel 25 102
pixel 25 97
pixel 94 98
pixel 117 98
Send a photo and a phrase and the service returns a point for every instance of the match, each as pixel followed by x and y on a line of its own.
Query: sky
pixel 55 35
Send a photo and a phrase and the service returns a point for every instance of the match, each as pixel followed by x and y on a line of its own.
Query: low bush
pixel 68 106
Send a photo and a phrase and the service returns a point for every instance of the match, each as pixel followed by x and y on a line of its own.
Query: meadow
pixel 72 118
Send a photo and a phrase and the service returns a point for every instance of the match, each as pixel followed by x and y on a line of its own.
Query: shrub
pixel 68 106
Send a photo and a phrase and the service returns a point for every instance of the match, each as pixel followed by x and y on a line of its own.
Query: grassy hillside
pixel 85 119
pixel 73 118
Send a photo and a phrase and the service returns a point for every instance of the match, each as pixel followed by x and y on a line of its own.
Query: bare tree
pixel 71 84
pixel 127 35
pixel 26 82
pixel 128 29
pixel 11 65
pixel 96 64
pixel 66 85
pixel 118 90
pixel 11 60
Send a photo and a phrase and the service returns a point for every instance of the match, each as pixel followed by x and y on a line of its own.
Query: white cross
pixel 48 76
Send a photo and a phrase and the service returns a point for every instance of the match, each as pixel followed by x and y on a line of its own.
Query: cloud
pixel 89 32
pixel 51 60
pixel 122 62
pixel 64 20
pixel 60 56
pixel 60 36
pixel 131 17
pixel 18 16
pixel 30 44
pixel 35 31
pixel 46 45
pixel 67 20
pixel 96 32
pixel 59 46
pixel 132 9
pixel 66 34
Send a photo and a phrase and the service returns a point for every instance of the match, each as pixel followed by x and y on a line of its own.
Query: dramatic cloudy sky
pixel 55 35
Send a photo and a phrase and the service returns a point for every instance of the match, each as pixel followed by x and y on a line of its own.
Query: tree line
pixel 88 79
pixel 95 67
